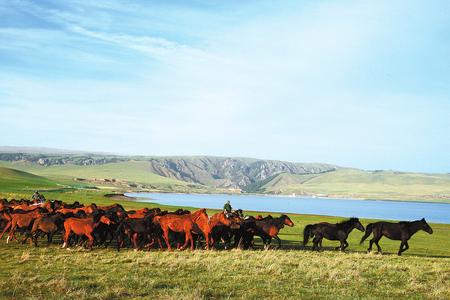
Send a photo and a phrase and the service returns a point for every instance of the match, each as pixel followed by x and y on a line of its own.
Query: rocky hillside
pixel 223 172
pixel 229 172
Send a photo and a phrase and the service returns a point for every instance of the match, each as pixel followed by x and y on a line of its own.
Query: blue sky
pixel 355 83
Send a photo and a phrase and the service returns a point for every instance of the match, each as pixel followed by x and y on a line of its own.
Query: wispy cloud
pixel 306 82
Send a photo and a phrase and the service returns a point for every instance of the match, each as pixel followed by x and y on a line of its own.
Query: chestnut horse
pixel 87 209
pixel 269 227
pixel 83 227
pixel 22 220
pixel 185 224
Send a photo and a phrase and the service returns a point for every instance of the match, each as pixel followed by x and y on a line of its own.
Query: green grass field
pixel 45 272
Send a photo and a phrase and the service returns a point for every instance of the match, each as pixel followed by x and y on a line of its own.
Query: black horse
pixel 401 231
pixel 334 232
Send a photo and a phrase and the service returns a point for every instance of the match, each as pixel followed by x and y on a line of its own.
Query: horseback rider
pixel 227 207
pixel 38 197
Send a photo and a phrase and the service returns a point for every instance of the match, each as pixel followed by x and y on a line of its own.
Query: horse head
pixel 287 221
pixel 231 219
pixel 105 220
pixel 425 227
pixel 357 224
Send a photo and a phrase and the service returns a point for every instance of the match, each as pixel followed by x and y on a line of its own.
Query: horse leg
pixel 8 225
pixel 188 238
pixel 319 243
pixel 315 244
pixel 269 243
pixel 345 245
pixel 341 246
pixel 30 236
pixel 239 245
pixel 278 240
pixel 207 239
pixel 25 238
pixel 266 243
pixel 159 243
pixel 50 237
pixel 406 247
pixel 34 237
pixel 91 240
pixel 66 239
pixel 11 233
pixel 166 238
pixel 403 247
pixel 378 246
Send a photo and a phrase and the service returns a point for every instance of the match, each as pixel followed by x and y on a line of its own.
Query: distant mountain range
pixel 221 174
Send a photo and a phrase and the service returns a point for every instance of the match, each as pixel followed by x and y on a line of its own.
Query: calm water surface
pixel 373 209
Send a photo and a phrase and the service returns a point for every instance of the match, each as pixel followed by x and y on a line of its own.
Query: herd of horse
pixel 91 225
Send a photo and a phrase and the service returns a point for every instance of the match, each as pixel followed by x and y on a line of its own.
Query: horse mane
pixel 350 220
pixel 198 213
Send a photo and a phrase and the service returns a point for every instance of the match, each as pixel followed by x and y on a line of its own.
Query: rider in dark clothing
pixel 38 197
pixel 227 207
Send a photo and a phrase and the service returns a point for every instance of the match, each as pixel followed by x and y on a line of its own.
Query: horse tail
pixel 368 232
pixel 307 233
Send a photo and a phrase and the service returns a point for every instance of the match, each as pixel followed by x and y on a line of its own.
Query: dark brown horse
pixel 269 227
pixel 48 225
pixel 139 231
pixel 334 232
pixel 221 224
pixel 401 231
pixel 186 224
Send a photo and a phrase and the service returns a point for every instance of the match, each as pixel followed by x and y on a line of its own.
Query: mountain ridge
pixel 215 171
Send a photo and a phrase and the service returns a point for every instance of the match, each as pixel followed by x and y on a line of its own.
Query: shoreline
pixel 330 197
pixel 314 210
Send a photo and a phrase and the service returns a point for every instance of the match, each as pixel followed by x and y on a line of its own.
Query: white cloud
pixel 284 85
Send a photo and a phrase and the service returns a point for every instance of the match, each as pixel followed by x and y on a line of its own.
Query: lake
pixel 371 209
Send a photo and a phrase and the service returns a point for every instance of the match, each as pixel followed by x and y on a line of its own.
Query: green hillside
pixel 133 171
pixel 11 180
pixel 364 184
pixel 211 174
pixel 120 176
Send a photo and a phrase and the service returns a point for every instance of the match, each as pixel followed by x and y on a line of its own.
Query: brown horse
pixel 87 209
pixel 48 225
pixel 138 214
pixel 23 220
pixel 5 218
pixel 269 227
pixel 83 227
pixel 401 231
pixel 25 207
pixel 197 221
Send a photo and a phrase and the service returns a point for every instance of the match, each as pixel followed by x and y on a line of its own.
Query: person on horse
pixel 227 207
pixel 38 197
